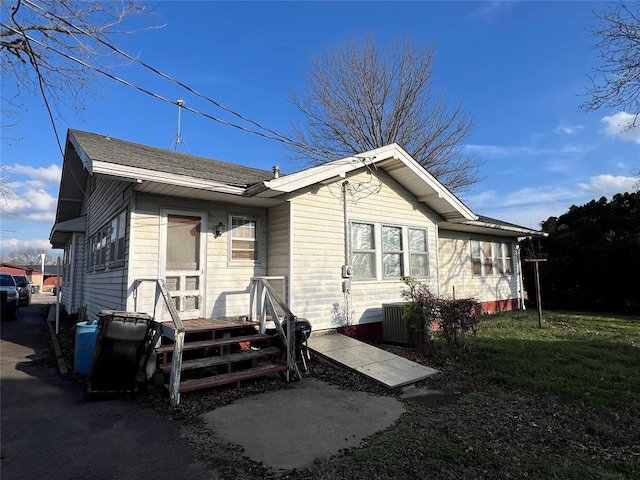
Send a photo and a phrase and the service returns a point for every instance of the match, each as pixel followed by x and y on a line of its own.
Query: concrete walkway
pixel 385 367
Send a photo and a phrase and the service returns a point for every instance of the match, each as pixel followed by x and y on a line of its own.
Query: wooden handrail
pixel 176 361
pixel 263 292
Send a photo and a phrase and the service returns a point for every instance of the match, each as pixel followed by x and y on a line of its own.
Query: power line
pixel 280 137
pixel 148 92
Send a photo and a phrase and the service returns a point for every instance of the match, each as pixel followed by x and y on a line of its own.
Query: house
pixel 335 240
pixel 34 274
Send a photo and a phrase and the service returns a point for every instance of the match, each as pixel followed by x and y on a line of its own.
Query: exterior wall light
pixel 219 229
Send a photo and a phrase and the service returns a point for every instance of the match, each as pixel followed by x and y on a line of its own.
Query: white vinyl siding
pixel 226 281
pixel 104 287
pixel 319 250
pixel 459 258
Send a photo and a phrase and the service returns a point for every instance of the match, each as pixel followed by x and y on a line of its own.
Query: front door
pixel 184 259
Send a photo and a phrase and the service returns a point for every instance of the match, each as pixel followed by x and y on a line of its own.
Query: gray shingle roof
pixel 112 150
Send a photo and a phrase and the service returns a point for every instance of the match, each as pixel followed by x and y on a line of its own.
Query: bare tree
pixel 52 48
pixel 26 256
pixel 356 99
pixel 615 82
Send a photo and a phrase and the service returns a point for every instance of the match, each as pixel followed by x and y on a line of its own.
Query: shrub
pixel 431 315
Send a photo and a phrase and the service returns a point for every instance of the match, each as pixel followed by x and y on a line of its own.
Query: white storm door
pixel 183 259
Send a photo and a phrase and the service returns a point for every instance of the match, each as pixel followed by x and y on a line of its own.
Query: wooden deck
pixel 385 367
pixel 193 325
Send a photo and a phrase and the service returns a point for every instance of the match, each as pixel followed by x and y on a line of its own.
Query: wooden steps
pixel 221 352
pixel 233 377
pixel 227 360
pixel 217 342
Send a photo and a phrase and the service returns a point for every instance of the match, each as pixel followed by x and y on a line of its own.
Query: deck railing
pixel 265 302
pixel 162 296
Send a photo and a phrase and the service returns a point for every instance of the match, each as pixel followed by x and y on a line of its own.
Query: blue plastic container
pixel 86 336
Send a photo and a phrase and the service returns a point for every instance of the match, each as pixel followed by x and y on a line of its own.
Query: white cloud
pixel 50 174
pixel 621 125
pixel 501 151
pixel 492 10
pixel 530 206
pixel 568 129
pixel 608 185
pixel 35 204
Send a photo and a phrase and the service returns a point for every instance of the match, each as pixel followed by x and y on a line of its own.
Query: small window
pixel 507 259
pixel 363 250
pixel 489 258
pixel 392 252
pixel 116 237
pixel 91 252
pixel 244 239
pixel 419 257
pixel 98 249
pixel 476 258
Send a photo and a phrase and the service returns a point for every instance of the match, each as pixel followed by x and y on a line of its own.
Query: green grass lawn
pixel 590 357
pixel 557 402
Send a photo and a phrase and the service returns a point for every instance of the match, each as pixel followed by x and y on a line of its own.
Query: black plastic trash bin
pixel 122 337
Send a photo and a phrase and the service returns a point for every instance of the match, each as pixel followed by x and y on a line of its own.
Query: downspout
pixel 72 273
pixel 437 258
pixel 347 253
pixel 520 279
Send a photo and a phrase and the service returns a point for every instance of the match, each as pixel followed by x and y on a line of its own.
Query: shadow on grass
pixel 601 372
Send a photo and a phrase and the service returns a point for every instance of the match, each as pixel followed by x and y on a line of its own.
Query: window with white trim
pixel 101 247
pixel 363 250
pixel 388 252
pixel 392 252
pixel 116 238
pixel 418 254
pixel 106 246
pixel 244 239
pixel 491 258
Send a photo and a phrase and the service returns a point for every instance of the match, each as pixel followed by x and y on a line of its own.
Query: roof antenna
pixel 178 140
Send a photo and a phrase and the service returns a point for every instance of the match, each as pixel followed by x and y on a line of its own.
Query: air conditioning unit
pixel 396 329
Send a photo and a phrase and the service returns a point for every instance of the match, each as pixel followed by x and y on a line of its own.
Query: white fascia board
pixel 321 173
pixel 438 188
pixel 486 227
pixel 339 168
pixel 141 174
pixel 525 232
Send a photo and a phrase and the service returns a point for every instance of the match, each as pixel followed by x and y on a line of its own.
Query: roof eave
pixel 337 169
pixel 139 175
pixel 61 231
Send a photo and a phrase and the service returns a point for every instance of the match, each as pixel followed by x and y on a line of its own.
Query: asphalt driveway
pixel 49 432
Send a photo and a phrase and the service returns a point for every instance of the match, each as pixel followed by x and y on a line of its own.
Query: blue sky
pixel 519 68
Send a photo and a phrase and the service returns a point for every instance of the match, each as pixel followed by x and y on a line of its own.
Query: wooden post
pixel 535 262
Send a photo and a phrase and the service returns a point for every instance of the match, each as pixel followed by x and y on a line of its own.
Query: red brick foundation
pixel 372 332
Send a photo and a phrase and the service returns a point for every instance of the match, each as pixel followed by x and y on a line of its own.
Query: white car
pixel 9 296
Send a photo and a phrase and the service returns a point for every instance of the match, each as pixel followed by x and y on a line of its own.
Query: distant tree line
pixel 593 257
pixel 21 257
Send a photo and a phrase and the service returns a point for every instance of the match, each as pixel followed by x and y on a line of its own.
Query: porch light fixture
pixel 219 229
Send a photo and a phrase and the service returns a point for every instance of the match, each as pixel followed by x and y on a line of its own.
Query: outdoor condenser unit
pixel 395 329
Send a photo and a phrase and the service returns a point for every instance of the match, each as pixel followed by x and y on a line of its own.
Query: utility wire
pixel 144 90
pixel 277 136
